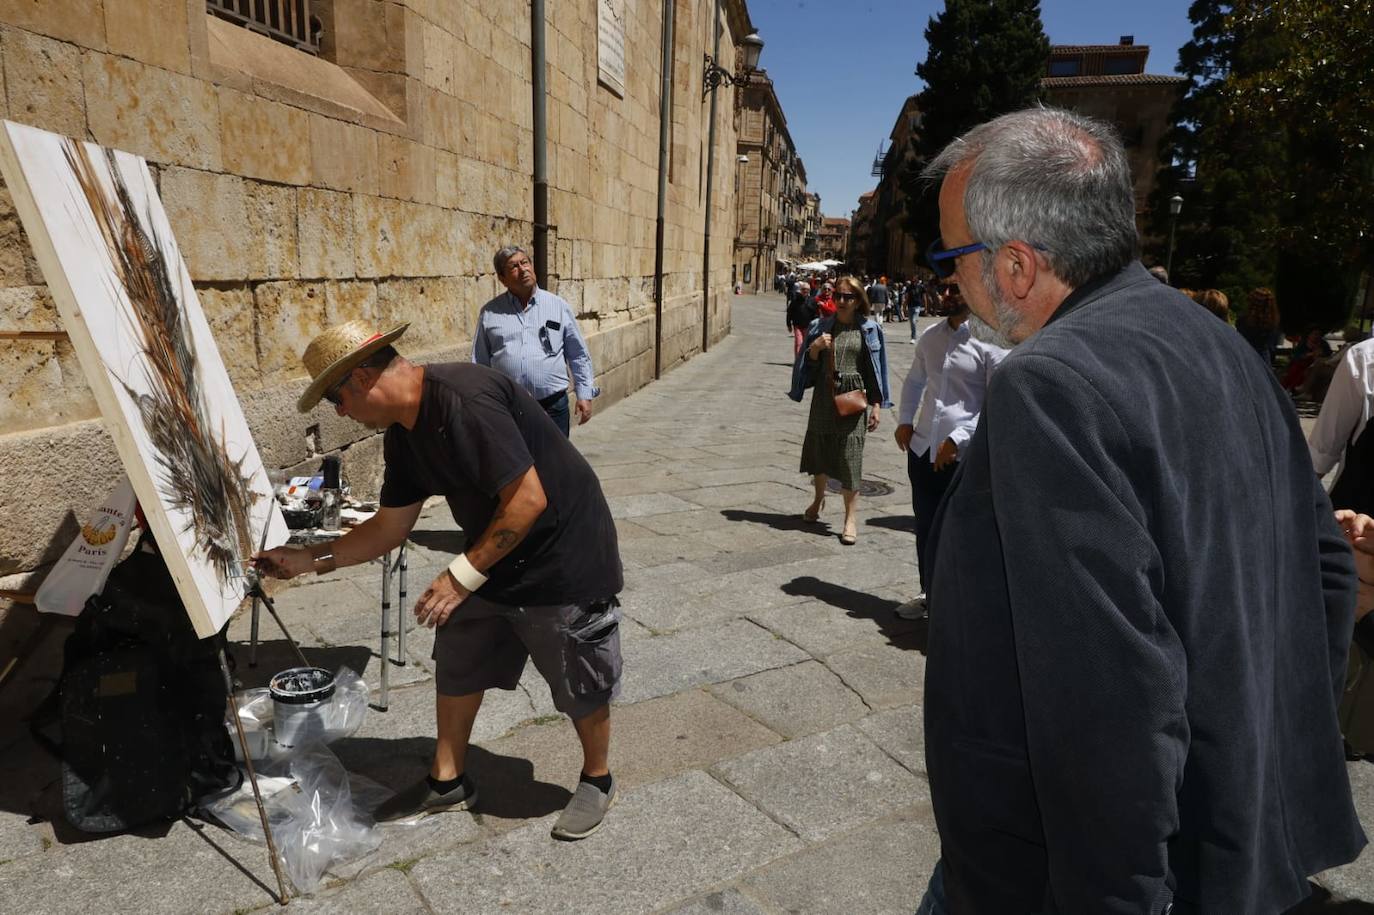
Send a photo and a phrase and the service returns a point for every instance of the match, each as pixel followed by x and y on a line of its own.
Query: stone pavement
pixel 768 741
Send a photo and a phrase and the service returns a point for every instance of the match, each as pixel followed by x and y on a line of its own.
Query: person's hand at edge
pixel 947 454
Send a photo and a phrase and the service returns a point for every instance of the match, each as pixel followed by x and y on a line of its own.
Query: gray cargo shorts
pixel 575 647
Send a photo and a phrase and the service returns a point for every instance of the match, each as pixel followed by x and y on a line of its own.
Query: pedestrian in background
pixel 1215 301
pixel 1341 434
pixel 879 299
pixel 1123 712
pixel 825 300
pixel 939 406
pixel 841 353
pixel 1260 324
pixel 801 311
pixel 530 335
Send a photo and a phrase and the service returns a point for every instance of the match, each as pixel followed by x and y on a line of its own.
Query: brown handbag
pixel 850 403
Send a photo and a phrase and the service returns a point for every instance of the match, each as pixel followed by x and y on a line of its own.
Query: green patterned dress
pixel 834 445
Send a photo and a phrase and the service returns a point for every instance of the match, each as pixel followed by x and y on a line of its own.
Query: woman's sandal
pixel 849 539
pixel 811 517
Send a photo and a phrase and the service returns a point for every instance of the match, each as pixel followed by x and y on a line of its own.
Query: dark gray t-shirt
pixel 478 431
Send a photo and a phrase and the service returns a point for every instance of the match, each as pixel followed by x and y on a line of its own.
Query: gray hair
pixel 1051 178
pixel 499 259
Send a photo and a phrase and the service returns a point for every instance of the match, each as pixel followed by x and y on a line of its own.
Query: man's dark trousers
pixel 556 405
pixel 928 487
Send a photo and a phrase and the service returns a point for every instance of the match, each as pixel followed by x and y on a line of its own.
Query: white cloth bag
pixel 86 564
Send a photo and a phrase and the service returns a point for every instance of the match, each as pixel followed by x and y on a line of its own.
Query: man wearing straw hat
pixel 541 570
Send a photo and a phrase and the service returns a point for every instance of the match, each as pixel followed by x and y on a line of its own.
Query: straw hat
pixel 336 352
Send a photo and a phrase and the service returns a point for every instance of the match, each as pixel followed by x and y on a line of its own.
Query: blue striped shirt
pixel 535 344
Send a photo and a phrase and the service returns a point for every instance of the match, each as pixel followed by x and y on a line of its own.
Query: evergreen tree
pixel 1270 151
pixel 1312 92
pixel 1220 166
pixel 985 58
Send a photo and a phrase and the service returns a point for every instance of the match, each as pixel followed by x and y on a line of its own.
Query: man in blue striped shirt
pixel 530 335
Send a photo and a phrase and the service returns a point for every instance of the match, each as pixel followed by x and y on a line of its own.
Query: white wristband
pixel 465 574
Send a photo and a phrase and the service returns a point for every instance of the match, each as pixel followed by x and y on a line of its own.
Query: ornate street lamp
pixel 715 74
pixel 1175 207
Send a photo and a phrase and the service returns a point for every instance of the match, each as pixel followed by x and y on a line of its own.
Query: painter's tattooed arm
pixel 521 502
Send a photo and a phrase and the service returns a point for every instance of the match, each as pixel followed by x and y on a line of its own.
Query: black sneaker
pixel 420 800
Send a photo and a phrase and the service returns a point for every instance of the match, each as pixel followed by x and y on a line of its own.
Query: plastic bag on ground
pixel 309 804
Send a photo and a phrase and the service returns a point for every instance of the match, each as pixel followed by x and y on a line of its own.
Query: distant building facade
pixel 832 240
pixel 811 227
pixel 1109 82
pixel 860 250
pixel 771 193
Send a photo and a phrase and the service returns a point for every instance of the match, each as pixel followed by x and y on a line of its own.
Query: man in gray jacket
pixel 1144 598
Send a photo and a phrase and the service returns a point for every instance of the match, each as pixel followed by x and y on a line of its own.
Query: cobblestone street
pixel 767 744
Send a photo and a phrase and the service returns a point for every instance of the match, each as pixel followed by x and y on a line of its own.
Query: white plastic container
pixel 300 703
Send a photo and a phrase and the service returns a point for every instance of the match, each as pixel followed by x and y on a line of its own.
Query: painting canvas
pixel 102 239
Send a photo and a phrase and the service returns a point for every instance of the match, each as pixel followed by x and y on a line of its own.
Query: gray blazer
pixel 1140 611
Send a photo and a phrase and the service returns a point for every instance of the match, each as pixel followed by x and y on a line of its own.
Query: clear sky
pixel 842 69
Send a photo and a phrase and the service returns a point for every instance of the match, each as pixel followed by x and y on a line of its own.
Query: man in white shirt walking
pixel 1341 434
pixel 948 380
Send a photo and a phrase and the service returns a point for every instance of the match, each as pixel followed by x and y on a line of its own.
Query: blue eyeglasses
pixel 944 260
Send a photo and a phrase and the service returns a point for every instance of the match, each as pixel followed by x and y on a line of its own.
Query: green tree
pixel 1220 166
pixel 1316 93
pixel 984 58
pixel 1270 149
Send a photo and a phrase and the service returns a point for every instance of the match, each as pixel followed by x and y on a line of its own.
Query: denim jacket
pixel 804 370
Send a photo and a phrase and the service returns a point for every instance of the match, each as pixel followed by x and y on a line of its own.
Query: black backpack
pixel 141 703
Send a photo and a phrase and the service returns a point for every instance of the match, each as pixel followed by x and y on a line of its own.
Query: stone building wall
pixel 372 181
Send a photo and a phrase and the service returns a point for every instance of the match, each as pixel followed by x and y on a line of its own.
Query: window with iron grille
pixel 287 21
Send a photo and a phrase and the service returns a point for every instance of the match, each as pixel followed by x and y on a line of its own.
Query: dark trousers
pixel 556 405
pixel 928 487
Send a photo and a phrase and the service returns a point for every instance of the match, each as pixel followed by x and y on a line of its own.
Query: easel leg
pixel 253 635
pixel 282 897
pixel 257 594
pixel 401 609
pixel 385 701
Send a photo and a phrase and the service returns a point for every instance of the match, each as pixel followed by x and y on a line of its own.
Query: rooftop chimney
pixel 1128 39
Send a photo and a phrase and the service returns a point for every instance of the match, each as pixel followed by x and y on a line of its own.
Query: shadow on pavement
pixel 277 655
pixel 907 634
pixel 894 523
pixel 778 522
pixel 1322 903
pixel 206 831
pixel 505 784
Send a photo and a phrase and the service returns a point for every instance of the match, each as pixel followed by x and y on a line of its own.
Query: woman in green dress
pixel 850 347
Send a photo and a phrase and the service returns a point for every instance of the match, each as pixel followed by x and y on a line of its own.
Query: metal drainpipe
pixel 538 67
pixel 665 113
pixel 710 180
pixel 759 237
